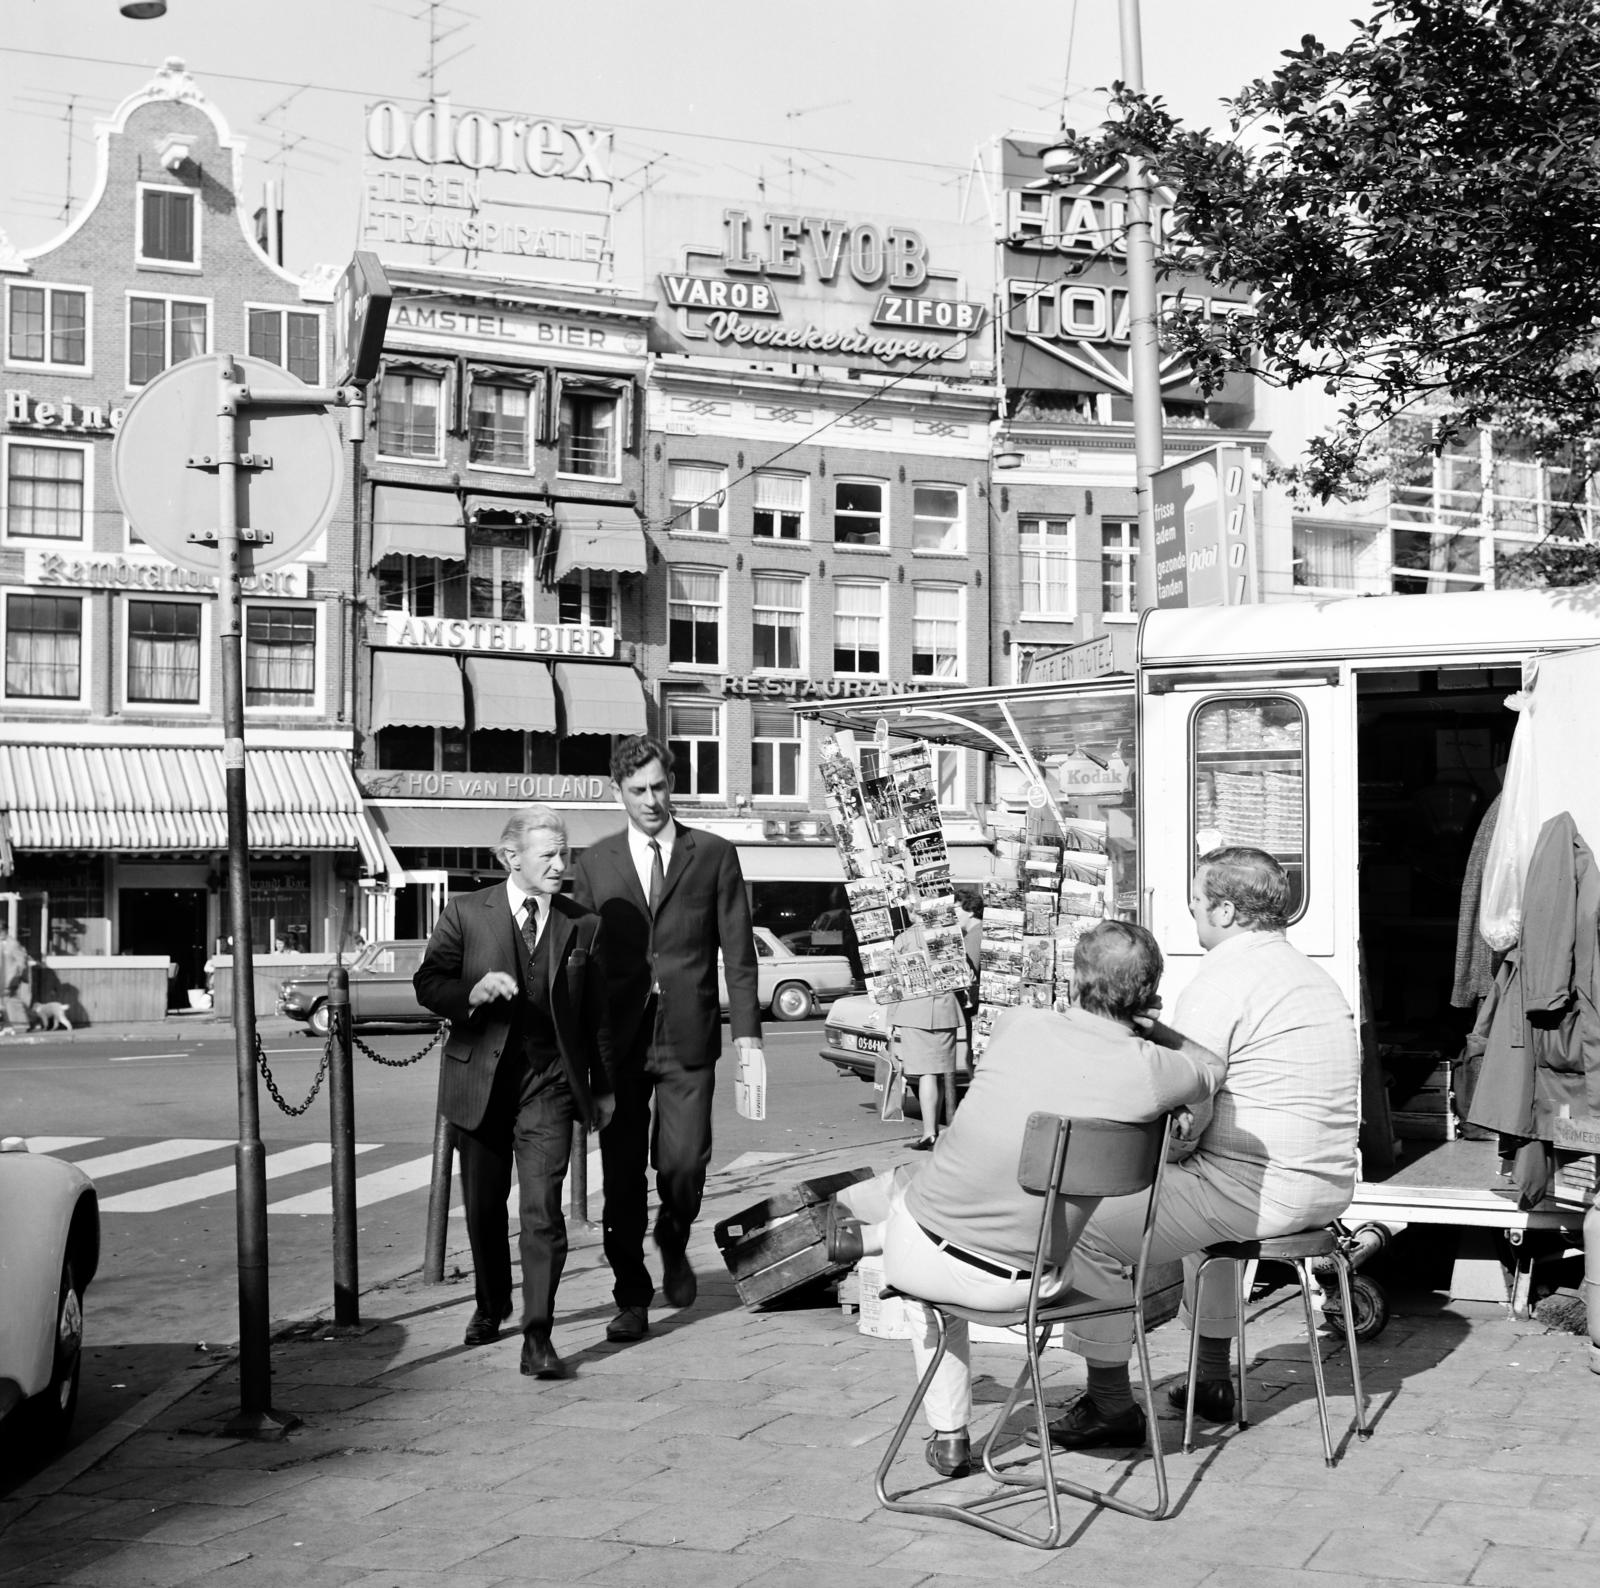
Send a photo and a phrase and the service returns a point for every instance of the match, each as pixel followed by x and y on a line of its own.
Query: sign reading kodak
pixel 800 288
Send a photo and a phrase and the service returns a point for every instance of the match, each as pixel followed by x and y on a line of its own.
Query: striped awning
pixel 5 846
pixel 599 537
pixel 131 799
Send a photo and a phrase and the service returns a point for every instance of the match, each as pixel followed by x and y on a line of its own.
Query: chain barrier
pixel 316 1085
pixel 400 1064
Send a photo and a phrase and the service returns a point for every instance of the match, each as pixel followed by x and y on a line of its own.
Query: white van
pixel 1358 739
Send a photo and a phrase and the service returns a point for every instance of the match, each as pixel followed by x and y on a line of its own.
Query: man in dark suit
pixel 670 898
pixel 517 972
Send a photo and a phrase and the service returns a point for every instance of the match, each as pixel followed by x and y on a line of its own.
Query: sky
pixel 856 105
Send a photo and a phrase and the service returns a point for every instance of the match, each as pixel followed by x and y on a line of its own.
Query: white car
pixel 49 1251
pixel 856 1033
pixel 792 985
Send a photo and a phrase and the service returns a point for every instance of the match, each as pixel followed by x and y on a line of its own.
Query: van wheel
pixel 320 1019
pixel 59 1401
pixel 792 1001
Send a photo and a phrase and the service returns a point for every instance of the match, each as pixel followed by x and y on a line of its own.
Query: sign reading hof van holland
pixel 1205 530
pixel 514 187
pixel 817 289
pixel 553 640
pixel 541 786
pixel 1064 296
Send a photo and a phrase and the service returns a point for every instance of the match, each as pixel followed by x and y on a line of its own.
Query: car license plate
pixel 863 1044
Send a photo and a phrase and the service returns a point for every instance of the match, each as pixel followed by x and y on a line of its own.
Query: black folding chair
pixel 1060 1158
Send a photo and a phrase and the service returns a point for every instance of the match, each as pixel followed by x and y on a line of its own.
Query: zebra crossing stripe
pixel 59 1143
pixel 379 1186
pixel 148 1156
pixel 219 1182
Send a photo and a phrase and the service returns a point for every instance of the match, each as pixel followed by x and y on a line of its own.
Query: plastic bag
pixel 1515 835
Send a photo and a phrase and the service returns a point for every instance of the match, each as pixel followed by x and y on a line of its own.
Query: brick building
pixel 110 711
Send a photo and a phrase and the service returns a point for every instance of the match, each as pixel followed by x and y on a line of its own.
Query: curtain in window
pixel 936 632
pixel 281 657
pixel 1046 546
pixel 164 652
pixel 777 622
pixel 44 647
pixel 782 493
pixel 45 492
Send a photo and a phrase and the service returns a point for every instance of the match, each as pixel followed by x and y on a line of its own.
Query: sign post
pixel 186 424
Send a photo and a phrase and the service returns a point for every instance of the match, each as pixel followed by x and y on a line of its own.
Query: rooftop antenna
pixel 792 116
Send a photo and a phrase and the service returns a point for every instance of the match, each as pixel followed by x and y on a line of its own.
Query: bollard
pixel 578 1202
pixel 342 1134
pixel 438 1203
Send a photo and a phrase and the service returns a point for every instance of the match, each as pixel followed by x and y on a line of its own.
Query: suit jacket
pixel 477 934
pixel 703 908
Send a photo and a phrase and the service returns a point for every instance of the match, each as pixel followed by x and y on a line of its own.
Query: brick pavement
pixel 734 1448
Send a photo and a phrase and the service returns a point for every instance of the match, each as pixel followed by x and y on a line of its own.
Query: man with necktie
pixel 516 970
pixel 670 898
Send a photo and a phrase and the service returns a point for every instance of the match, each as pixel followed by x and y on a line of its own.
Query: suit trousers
pixel 674 1139
pixel 529 1122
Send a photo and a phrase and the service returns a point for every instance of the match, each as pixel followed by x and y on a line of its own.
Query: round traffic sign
pixel 174 420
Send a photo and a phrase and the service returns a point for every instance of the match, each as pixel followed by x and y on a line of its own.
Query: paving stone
pixel 567 1517
pixel 205 1524
pixel 803 1574
pixel 1446 1479
pixel 713 1524
pixel 670 1568
pixel 308 1536
pixel 817 1432
pixel 555 1560
pixel 1516 1566
pixel 1385 1554
pixel 279 1571
pixel 965 1551
pixel 454 1509
pixel 1508 1524
pixel 423 1548
pixel 606 1414
pixel 154 1566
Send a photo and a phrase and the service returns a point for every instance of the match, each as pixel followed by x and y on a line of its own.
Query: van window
pixel 1249 760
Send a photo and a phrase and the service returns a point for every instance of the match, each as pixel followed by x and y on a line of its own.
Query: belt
pixel 999 1270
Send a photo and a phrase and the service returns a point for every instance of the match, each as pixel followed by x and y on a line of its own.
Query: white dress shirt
pixel 639 848
pixel 518 900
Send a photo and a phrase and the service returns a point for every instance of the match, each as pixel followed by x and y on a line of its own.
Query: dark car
pixel 380 989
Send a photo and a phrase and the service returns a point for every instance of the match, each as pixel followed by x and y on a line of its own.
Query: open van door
pixel 1565 692
pixel 1257 757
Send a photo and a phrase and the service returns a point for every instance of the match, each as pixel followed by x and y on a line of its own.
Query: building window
pixel 947 777
pixel 497 574
pixel 412 585
pixel 858 628
pixel 1324 557
pixel 936 631
pixel 164 653
pixel 497 426
pixel 1046 548
pixel 699 493
pixel 1119 566
pixel 778 623
pixel 289 338
pixel 938 518
pixel 163 332
pixel 694 741
pixel 694 617
pixel 780 510
pixel 47 326
pixel 44 647
pixel 280 665
pixel 589 599
pixel 774 753
pixel 280 907
pixel 46 492
pixel 858 513
pixel 169 230
pixel 408 415
pixel 589 434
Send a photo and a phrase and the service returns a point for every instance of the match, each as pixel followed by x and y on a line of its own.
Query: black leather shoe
pixel 1081 1427
pixel 950 1455
pixel 539 1359
pixel 1213 1399
pixel 922 1144
pixel 483 1328
pixel 678 1283
pixel 842 1234
pixel 630 1324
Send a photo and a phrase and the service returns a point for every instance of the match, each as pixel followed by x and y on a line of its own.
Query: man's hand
pixel 491 985
pixel 604 1108
pixel 752 1044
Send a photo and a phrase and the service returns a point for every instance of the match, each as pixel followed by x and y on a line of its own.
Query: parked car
pixel 380 989
pixel 856 1033
pixel 49 1251
pixel 793 985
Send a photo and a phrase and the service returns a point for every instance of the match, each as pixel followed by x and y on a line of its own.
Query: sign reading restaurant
pixel 832 289
pixel 554 640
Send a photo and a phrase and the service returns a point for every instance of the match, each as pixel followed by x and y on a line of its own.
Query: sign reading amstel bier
pixel 1064 292
pixel 578 641
pixel 809 286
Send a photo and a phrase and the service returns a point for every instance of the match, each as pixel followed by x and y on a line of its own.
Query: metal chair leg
pixel 1302 1267
pixel 1239 1271
pixel 1194 1360
pixel 907 1418
pixel 1342 1264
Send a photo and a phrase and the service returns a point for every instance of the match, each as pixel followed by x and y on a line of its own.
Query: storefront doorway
pixel 170 921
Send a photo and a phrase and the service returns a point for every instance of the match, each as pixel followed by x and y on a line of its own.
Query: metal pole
pixel 342 1135
pixel 578 1201
pixel 250 1159
pixel 438 1203
pixel 1144 359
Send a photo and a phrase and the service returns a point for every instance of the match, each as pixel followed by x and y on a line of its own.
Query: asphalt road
pixel 153 1121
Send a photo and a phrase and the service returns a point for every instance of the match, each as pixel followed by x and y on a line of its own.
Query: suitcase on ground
pixel 777 1245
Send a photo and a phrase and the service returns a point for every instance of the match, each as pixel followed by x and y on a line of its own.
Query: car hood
pixel 859 1012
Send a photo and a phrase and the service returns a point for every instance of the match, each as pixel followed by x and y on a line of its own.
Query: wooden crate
pixel 777 1245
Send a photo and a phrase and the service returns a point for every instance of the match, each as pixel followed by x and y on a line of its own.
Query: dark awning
pixel 407 522
pixel 511 693
pixel 601 699
pixel 519 509
pixel 416 689
pixel 598 537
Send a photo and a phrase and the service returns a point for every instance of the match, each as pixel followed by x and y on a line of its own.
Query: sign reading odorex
pixel 818 289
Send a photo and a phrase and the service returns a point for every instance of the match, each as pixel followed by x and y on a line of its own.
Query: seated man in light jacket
pixel 962 1230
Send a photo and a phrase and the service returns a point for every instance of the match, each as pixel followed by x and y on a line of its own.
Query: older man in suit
pixel 517 972
pixel 670 898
